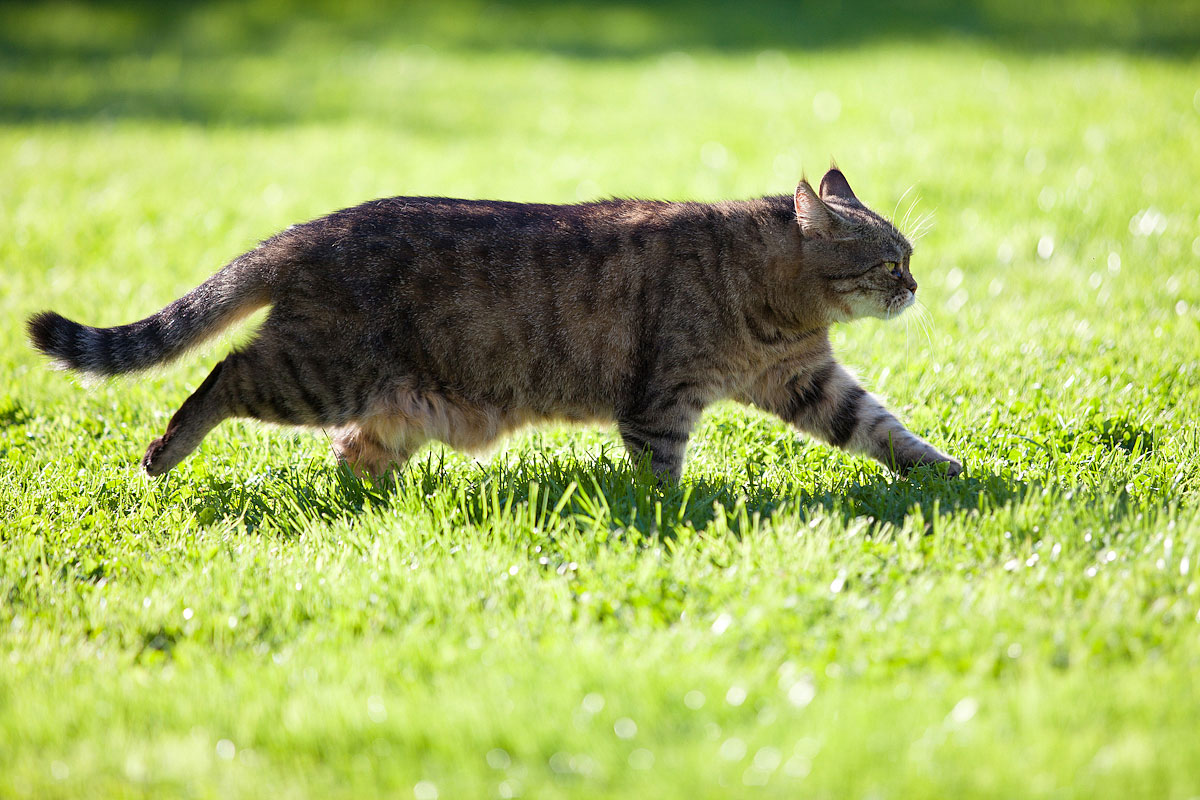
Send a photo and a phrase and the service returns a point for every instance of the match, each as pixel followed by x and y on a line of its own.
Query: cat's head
pixel 859 258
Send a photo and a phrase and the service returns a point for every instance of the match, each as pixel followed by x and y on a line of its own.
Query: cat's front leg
pixel 827 402
pixel 664 436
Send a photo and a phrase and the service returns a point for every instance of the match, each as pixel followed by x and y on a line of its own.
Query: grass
pixel 543 622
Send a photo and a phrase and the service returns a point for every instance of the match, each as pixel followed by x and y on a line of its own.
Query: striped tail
pixel 226 297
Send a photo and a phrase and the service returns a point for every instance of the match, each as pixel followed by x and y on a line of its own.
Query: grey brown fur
pixel 410 319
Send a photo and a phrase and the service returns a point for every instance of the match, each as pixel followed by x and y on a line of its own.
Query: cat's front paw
pixel 940 465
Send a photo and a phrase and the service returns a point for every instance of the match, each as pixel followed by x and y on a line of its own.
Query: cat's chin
pixel 861 308
pixel 893 310
pixel 883 313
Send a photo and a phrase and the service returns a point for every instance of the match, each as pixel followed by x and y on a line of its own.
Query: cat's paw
pixel 944 466
pixel 933 463
pixel 153 461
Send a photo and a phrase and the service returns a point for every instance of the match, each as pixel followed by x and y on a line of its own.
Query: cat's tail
pixel 238 289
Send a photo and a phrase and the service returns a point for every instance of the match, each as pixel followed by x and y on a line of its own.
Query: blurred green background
pixel 264 63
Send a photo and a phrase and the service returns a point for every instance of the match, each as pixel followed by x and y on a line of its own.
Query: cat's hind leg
pixel 265 382
pixel 403 418
pixel 199 414
pixel 367 450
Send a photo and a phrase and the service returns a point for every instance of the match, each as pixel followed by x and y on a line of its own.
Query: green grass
pixel 543 622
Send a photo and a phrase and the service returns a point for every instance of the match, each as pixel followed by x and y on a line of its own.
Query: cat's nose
pixel 911 285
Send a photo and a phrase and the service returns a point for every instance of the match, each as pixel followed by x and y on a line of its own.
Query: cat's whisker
pixel 896 210
pixel 907 341
pixel 918 312
pixel 922 226
pixel 925 218
pixel 908 214
pixel 925 321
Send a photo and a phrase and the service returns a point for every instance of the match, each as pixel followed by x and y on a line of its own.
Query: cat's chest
pixel 738 373
pixel 799 348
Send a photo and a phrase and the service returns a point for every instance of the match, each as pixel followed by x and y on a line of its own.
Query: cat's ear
pixel 815 218
pixel 835 186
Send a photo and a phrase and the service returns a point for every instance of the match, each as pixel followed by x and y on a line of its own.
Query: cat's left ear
pixel 835 186
pixel 817 220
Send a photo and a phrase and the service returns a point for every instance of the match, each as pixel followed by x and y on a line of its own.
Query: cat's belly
pixel 408 413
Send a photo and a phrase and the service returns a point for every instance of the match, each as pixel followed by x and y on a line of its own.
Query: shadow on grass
pixel 602 496
pixel 258 62
pixel 12 413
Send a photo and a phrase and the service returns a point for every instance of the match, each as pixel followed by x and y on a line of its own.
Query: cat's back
pixel 450 252
pixel 451 222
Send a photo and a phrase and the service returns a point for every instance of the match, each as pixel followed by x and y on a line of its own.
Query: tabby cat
pixel 414 318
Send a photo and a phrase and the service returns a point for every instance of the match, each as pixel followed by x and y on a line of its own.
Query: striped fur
pixel 234 292
pixel 827 402
pixel 413 319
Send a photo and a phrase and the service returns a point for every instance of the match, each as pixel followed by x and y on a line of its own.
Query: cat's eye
pixel 894 268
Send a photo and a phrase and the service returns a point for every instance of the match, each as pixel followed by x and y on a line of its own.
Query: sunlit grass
pixel 543 622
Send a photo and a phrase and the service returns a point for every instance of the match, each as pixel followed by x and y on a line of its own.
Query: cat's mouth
pixel 897 303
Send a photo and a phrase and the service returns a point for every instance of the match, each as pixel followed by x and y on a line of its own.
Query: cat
pixel 411 319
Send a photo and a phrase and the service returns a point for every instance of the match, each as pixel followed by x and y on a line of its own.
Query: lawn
pixel 788 621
